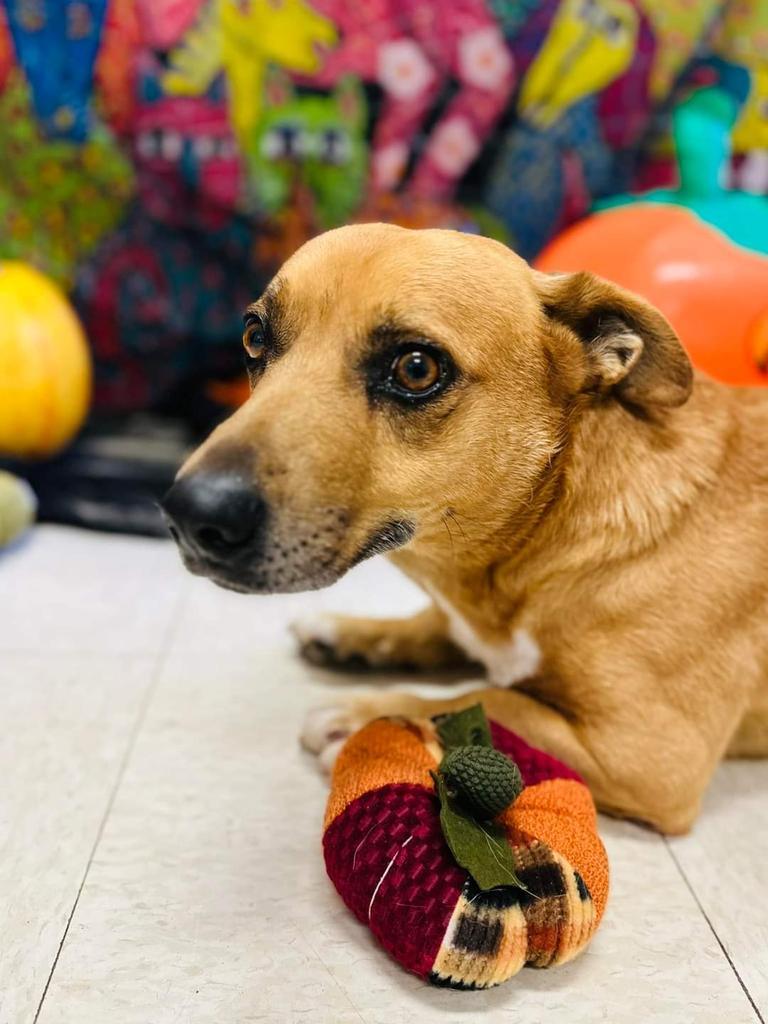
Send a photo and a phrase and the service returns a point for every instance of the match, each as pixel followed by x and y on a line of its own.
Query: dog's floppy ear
pixel 632 351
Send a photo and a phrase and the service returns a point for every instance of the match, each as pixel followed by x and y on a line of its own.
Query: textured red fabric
pixel 535 766
pixel 414 902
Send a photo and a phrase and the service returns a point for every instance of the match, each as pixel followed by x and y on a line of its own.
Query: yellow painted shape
pixel 589 44
pixel 751 129
pixel 196 61
pixel 742 36
pixel 242 39
pixel 677 25
pixel 45 368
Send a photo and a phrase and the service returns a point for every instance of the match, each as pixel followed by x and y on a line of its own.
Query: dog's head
pixel 409 388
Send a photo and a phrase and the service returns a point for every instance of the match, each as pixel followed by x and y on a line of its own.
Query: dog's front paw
pixel 318 637
pixel 325 731
pixel 336 641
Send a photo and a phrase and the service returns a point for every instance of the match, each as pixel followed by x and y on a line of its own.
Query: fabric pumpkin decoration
pixel 387 855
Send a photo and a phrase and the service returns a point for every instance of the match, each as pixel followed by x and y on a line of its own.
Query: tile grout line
pixel 719 941
pixel 161 659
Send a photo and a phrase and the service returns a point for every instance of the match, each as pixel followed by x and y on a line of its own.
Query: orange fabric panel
pixel 560 812
pixel 382 753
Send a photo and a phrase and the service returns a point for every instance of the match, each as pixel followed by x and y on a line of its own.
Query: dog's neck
pixel 617 489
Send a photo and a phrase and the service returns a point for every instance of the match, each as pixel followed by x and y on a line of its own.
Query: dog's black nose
pixel 216 515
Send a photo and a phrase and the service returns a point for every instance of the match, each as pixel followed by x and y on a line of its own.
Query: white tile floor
pixel 160 829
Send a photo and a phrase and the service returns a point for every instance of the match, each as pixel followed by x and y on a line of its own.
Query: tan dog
pixel 590 521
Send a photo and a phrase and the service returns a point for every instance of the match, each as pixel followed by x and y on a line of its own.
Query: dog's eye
pixel 416 371
pixel 407 372
pixel 255 339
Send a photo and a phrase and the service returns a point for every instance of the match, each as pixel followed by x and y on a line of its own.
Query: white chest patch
pixel 506 663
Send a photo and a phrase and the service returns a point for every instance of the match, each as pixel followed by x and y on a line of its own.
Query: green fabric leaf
pixel 464 728
pixel 481 848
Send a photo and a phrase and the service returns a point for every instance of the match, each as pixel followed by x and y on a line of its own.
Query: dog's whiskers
pixel 452 515
pixel 444 521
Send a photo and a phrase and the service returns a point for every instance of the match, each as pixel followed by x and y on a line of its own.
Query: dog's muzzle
pixel 225 529
pixel 217 519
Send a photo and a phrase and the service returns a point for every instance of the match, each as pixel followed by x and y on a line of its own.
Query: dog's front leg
pixel 614 764
pixel 344 642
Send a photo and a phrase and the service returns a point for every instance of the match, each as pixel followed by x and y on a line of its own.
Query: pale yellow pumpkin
pixel 45 367
pixel 17 507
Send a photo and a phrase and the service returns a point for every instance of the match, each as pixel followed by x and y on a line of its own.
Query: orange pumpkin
pixel 45 369
pixel 714 293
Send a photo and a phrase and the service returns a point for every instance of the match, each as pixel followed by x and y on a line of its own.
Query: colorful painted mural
pixel 58 198
pixel 160 157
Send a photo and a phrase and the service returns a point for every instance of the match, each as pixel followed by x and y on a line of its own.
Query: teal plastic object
pixel 702 126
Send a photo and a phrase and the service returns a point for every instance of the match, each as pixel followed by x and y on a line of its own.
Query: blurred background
pixel 159 159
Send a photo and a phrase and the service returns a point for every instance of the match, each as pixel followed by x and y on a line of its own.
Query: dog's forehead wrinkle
pixel 388 321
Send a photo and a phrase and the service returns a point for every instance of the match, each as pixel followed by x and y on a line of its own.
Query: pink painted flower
pixel 453 146
pixel 403 69
pixel 389 164
pixel 484 59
